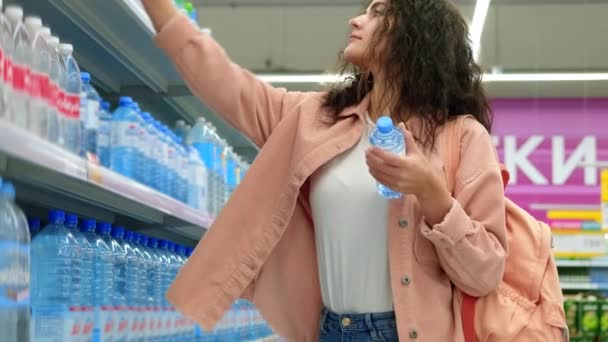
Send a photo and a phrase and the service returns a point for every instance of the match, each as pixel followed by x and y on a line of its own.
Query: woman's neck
pixel 380 101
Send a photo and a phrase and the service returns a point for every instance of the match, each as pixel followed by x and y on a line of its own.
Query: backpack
pixel 527 306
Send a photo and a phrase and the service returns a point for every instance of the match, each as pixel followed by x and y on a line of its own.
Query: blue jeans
pixel 380 327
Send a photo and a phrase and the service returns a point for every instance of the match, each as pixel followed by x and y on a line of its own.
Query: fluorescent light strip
pixel 479 20
pixel 515 77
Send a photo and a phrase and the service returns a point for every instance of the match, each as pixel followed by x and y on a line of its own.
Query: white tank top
pixel 350 221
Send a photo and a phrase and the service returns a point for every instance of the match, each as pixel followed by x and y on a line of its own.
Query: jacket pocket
pixel 424 250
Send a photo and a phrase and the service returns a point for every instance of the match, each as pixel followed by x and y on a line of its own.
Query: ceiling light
pixel 479 21
pixel 493 77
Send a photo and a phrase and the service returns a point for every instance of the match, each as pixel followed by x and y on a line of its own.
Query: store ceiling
pixel 305 36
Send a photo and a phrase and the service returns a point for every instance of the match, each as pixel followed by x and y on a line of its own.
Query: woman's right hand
pixel 160 12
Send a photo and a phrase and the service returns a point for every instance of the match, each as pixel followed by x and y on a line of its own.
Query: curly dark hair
pixel 429 66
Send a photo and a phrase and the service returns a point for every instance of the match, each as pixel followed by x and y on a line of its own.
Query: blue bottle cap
pixel 385 124
pixel 88 225
pixel 71 220
pixel 105 105
pixel 118 232
pixel 104 228
pixel 56 216
pixel 125 101
pixel 163 244
pixel 8 190
pixel 153 242
pixel 136 238
pixel 85 77
pixel 128 236
pixel 143 240
pixel 181 250
pixel 33 223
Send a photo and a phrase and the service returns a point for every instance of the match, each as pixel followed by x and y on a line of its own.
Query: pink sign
pixel 552 147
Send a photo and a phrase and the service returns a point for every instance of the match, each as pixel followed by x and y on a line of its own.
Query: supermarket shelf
pixel 598 263
pixel 113 41
pixel 584 286
pixel 48 176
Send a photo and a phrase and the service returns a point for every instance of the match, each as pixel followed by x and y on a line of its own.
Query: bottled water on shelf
pixel 14 268
pixel 102 281
pixel 70 100
pixel 121 318
pixel 55 112
pixel 55 275
pixel 89 115
pixel 104 134
pixel 39 75
pixel 123 153
pixel 19 68
pixel 6 51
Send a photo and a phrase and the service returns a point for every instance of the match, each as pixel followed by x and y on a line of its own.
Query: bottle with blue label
pixel 124 151
pixel 55 255
pixel 14 268
pixel 389 138
pixel 104 134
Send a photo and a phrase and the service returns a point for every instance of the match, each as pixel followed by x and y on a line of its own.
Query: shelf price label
pixel 568 244
pixel 94 173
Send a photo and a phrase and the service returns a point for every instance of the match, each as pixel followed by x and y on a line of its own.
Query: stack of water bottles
pixel 14 268
pixel 43 91
pixel 95 282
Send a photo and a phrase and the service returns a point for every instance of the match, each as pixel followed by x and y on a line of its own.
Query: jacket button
pixel 406 280
pixel 403 223
pixel 413 334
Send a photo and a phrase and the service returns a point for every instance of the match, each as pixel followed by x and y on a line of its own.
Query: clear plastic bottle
pixel 153 287
pixel 14 268
pixel 55 281
pixel 121 318
pixel 104 134
pixel 39 76
pixel 6 51
pixel 103 320
pixel 89 115
pixel 19 103
pixel 390 139
pixel 142 301
pixel 54 94
pixel 202 140
pixel 197 191
pixel 167 279
pixel 132 267
pixel 123 155
pixel 85 309
pixel 72 85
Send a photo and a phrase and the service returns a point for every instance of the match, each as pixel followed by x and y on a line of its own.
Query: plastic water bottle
pixel 55 276
pixel 14 268
pixel 85 310
pixel 153 288
pixel 123 155
pixel 34 225
pixel 390 139
pixel 39 77
pixel 53 132
pixel 89 114
pixel 132 270
pixel 183 171
pixel 121 313
pixel 103 320
pixel 197 190
pixel 19 104
pixel 167 279
pixel 6 50
pixel 72 85
pixel 180 128
pixel 140 291
pixel 201 139
pixel 104 134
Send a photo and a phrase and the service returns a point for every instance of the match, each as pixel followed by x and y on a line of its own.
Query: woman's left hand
pixel 410 173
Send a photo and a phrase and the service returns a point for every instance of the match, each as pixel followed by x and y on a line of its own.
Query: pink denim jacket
pixel 262 245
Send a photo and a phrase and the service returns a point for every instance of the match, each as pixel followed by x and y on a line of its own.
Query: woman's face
pixel 363 28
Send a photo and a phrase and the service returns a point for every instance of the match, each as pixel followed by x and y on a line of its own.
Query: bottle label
pixel 53 95
pixel 2 62
pixel 75 317
pixel 14 275
pixel 72 103
pixel 21 77
pixel 50 321
pixel 38 85
pixel 61 105
pixel 87 321
pixel 7 70
pixel 123 320
pixel 103 323
pixel 124 134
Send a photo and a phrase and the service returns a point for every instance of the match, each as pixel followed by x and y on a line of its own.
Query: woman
pixel 306 236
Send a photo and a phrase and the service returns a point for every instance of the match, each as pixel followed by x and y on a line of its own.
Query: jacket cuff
pixel 456 225
pixel 176 34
